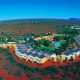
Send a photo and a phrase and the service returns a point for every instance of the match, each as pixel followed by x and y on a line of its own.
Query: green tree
pixel 58 51
pixel 71 59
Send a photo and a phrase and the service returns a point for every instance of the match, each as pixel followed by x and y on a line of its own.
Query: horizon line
pixel 37 19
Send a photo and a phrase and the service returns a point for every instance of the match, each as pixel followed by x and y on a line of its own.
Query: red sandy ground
pixel 6 76
pixel 46 64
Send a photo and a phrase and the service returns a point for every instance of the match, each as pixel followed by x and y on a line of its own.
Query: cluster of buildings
pixel 77 39
pixel 47 37
pixel 8 44
pixel 76 27
pixel 26 52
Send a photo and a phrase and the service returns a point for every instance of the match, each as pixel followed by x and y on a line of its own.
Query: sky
pixel 22 9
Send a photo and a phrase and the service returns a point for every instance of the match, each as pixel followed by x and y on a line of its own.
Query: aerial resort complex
pixel 39 48
pixel 39 39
